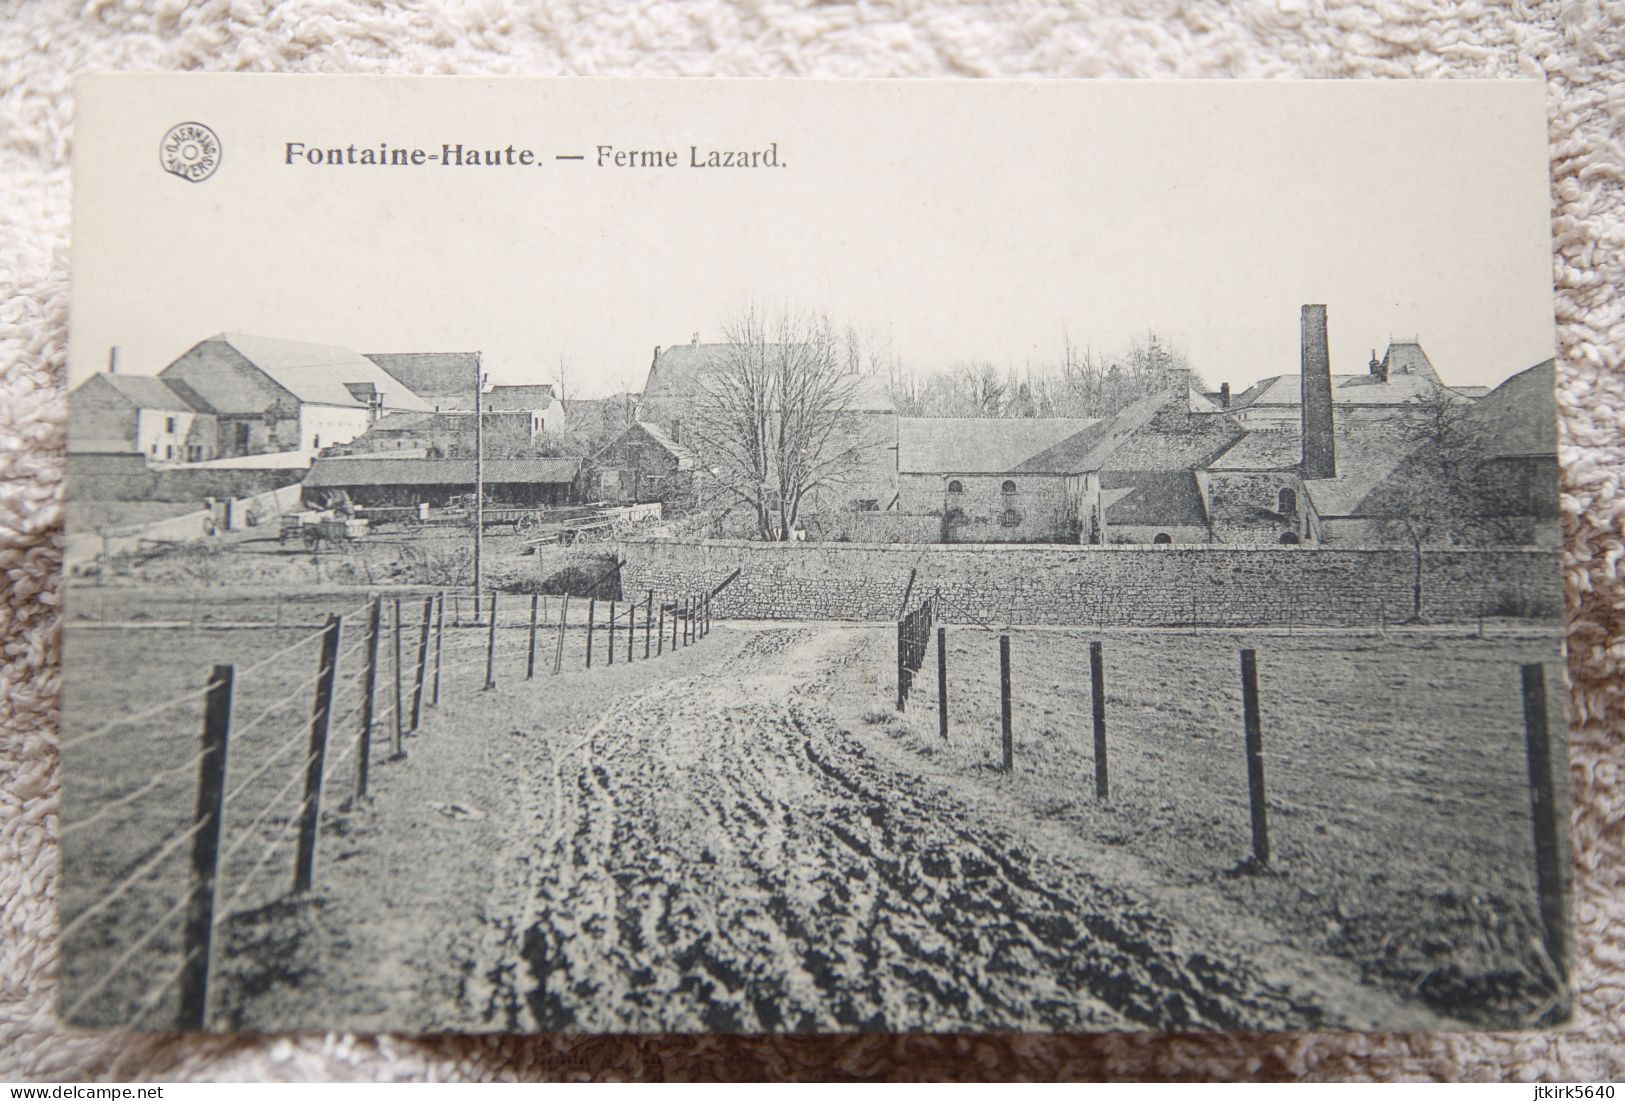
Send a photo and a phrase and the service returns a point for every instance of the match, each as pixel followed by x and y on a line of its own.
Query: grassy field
pixel 1395 770
pixel 130 786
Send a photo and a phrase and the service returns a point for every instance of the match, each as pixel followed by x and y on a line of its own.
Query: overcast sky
pixel 964 220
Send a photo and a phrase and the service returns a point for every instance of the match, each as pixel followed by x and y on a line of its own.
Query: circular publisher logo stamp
pixel 191 151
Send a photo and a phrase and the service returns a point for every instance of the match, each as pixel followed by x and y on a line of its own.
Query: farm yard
pixel 742 832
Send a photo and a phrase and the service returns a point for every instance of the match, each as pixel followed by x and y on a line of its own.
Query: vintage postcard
pixel 745 556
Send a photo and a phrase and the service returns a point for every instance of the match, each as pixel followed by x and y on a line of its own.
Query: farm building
pixel 642 463
pixel 269 395
pixel 114 414
pixel 411 481
pixel 516 414
pixel 869 427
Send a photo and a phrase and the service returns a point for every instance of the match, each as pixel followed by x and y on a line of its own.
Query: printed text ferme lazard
pixel 457 155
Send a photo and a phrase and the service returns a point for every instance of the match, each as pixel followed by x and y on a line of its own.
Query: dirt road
pixel 722 840
pixel 722 855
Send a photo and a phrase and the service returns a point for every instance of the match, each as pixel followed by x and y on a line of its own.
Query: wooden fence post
pixel 439 633
pixel 612 632
pixel 1097 690
pixel 648 620
pixel 321 714
pixel 564 616
pixel 942 682
pixel 211 783
pixel 1004 703
pixel 1551 855
pixel 491 645
pixel 661 646
pixel 902 670
pixel 369 690
pixel 1255 756
pixel 398 750
pixel 592 614
pixel 423 663
pixel 530 655
pixel 631 628
pixel 456 609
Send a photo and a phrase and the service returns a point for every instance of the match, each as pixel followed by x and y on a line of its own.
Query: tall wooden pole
pixel 592 613
pixel 1097 692
pixel 612 632
pixel 439 633
pixel 211 783
pixel 649 620
pixel 395 668
pixel 942 682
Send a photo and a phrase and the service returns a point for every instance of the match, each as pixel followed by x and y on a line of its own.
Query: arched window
pixel 1287 503
pixel 1162 537
pixel 1008 486
pixel 1290 537
pixel 955 487
pixel 1010 519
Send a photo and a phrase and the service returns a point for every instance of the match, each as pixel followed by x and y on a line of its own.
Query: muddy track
pixel 707 863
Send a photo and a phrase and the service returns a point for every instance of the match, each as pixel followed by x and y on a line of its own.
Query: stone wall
pixel 1106 586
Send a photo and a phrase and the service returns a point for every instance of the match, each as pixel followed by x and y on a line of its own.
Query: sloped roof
pixel 673 374
pixel 1364 461
pixel 977 445
pixel 685 456
pixel 401 422
pixel 1089 448
pixel 448 472
pixel 505 399
pixel 431 375
pixel 1519 417
pixel 1346 390
pixel 1166 497
pixel 1405 358
pixel 1263 449
pixel 148 392
pixel 314 373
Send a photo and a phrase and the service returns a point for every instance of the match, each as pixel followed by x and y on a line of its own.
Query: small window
pixel 869 504
pixel 316 441
pixel 1162 537
pixel 1008 487
pixel 1010 519
pixel 169 425
pixel 955 487
pixel 1290 537
pixel 1287 503
pixel 169 451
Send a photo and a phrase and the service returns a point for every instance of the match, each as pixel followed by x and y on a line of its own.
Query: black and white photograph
pixel 736 556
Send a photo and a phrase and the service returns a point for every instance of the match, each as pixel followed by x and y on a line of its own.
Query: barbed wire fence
pixel 260 781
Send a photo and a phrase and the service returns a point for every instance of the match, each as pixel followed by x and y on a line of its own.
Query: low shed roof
pixel 398 472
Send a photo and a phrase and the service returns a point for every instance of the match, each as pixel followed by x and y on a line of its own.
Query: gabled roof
pixel 687 458
pixel 1518 418
pixel 431 375
pixel 977 445
pixel 354 471
pixel 673 375
pixel 320 374
pixel 402 422
pixel 532 396
pixel 1155 497
pixel 147 392
pixel 1088 449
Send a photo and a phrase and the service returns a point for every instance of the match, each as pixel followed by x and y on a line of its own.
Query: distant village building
pixel 235 395
pixel 643 464
pixel 139 415
pixel 515 416
pixel 367 481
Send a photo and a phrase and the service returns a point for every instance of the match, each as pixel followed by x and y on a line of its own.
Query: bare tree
pixel 769 415
pixel 1432 498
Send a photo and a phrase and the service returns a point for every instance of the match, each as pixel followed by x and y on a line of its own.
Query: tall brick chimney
pixel 1319 447
pixel 112 360
pixel 1224 395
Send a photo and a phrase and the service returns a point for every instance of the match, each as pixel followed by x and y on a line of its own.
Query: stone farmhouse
pixel 515 415
pixel 234 395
